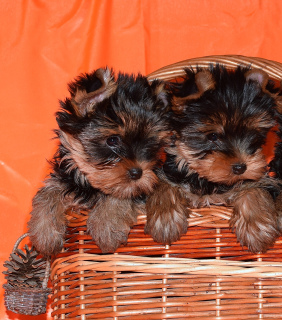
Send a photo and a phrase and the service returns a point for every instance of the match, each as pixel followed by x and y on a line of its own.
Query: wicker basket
pixel 28 301
pixel 204 275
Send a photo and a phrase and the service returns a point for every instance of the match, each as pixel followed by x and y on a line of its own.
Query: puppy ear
pixel 90 89
pixel 259 76
pixel 159 89
pixel 279 100
pixel 204 81
pixel 262 78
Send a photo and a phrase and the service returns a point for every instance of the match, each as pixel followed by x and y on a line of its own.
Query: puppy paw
pixel 255 220
pixel 109 223
pixel 47 242
pixel 47 225
pixel 108 235
pixel 45 234
pixel 278 206
pixel 167 214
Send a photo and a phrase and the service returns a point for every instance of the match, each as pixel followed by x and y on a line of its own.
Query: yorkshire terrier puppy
pixel 112 133
pixel 275 166
pixel 221 121
pixel 276 163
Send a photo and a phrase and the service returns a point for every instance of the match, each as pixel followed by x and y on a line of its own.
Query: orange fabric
pixel 44 44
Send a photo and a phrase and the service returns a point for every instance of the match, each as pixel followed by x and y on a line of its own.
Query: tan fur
pixel 204 81
pixel 119 183
pixel 217 123
pixel 95 172
pixel 211 127
pixel 167 214
pixel 262 78
pixel 217 167
pixel 129 125
pixel 254 219
pixel 258 75
pixel 278 98
pixel 258 122
pixel 47 224
pixel 84 102
pixel 114 179
pixel 109 222
pixel 278 207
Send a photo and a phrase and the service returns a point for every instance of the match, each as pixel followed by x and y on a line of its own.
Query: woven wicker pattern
pixel 273 68
pixel 27 300
pixel 205 275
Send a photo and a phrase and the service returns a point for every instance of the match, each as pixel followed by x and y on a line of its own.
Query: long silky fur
pixel 89 173
pixel 240 106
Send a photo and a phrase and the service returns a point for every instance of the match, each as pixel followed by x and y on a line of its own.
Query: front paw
pixel 109 223
pixel 47 225
pixel 166 226
pixel 278 206
pixel 167 214
pixel 255 220
pixel 46 236
pixel 108 235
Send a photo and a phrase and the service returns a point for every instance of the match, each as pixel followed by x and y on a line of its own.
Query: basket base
pixel 27 301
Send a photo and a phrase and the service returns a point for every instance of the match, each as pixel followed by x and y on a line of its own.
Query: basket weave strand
pixel 161 285
pixel 28 301
pixel 120 263
pixel 204 275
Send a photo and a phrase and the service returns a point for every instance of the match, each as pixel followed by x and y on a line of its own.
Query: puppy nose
pixel 135 173
pixel 239 168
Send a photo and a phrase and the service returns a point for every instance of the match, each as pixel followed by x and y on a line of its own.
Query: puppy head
pixel 115 131
pixel 222 118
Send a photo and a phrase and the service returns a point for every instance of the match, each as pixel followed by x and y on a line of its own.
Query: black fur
pixel 221 119
pixel 112 133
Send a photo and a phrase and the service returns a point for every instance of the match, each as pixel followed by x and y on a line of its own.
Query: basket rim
pixel 174 70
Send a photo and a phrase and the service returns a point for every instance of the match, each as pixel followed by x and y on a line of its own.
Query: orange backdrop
pixel 44 44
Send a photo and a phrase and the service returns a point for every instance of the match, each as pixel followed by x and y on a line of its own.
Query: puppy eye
pixel 113 141
pixel 212 136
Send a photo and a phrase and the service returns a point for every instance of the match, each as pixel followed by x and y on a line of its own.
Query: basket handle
pixel 47 268
pixel 19 241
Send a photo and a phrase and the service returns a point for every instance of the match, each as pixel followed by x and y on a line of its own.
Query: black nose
pixel 239 168
pixel 135 173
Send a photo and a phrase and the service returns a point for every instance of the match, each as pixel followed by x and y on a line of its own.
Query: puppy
pixel 112 134
pixel 221 119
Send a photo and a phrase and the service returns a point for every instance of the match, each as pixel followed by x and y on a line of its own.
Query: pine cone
pixel 24 269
